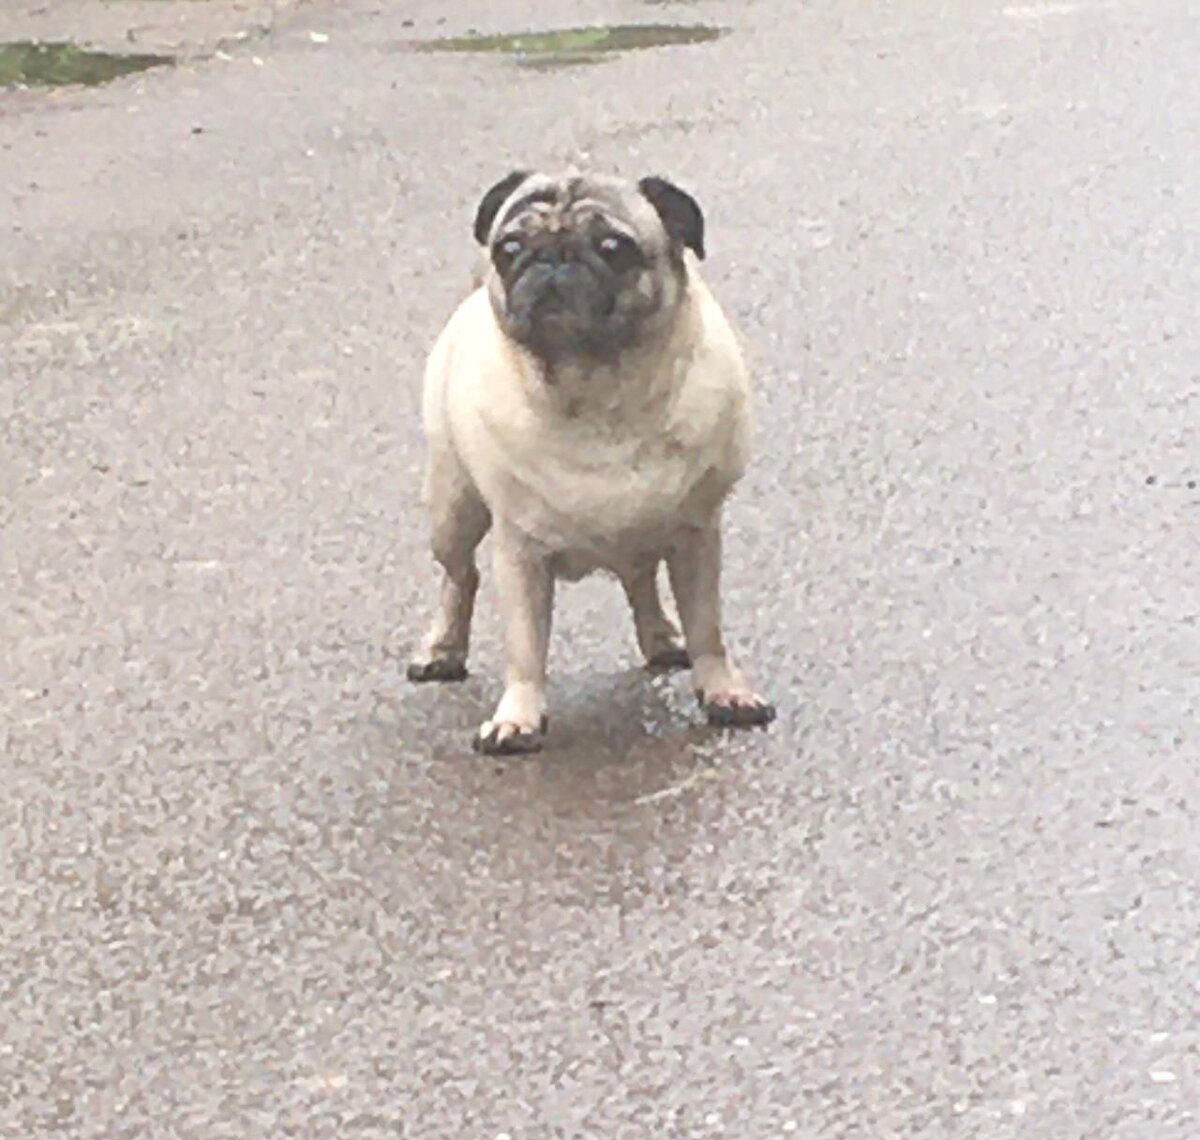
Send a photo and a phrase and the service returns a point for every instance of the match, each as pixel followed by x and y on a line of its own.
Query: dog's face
pixel 585 267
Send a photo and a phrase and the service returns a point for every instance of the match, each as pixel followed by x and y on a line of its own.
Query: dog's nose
pixel 564 276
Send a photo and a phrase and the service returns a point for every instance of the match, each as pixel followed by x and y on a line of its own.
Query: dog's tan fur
pixel 585 466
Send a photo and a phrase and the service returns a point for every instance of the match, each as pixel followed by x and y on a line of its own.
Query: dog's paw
pixel 736 708
pixel 507 738
pixel 438 669
pixel 668 659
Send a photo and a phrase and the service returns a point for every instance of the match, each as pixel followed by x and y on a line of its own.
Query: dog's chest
pixel 641 456
pixel 597 497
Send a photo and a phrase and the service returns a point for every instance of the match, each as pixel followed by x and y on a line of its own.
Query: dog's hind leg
pixel 460 521
pixel 657 637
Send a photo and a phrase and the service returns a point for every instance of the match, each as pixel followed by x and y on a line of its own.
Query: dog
pixel 588 403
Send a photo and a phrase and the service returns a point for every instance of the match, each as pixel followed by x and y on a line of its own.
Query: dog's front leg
pixel 525 590
pixel 695 569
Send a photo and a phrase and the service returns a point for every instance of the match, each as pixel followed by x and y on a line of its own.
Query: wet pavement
pixel 254 884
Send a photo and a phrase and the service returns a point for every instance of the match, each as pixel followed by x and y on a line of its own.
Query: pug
pixel 589 405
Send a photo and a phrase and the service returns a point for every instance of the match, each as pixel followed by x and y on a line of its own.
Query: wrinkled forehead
pixel 569 201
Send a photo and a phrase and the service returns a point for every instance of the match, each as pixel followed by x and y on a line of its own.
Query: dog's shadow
pixel 630 736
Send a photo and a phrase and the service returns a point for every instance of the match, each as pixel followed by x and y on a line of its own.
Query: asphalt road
pixel 254 884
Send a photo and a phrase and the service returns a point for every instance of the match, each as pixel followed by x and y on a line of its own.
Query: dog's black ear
pixel 491 202
pixel 679 211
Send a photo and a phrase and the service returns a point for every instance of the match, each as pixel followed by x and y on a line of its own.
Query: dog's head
pixel 583 267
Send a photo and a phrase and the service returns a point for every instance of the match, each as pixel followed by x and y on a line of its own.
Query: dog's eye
pixel 618 250
pixel 508 248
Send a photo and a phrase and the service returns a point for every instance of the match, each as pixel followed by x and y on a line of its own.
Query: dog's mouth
pixel 563 310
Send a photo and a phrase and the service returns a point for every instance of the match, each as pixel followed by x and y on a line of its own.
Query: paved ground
pixel 189 29
pixel 253 885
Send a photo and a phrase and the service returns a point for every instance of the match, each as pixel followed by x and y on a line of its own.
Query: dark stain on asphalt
pixel 570 46
pixel 30 64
